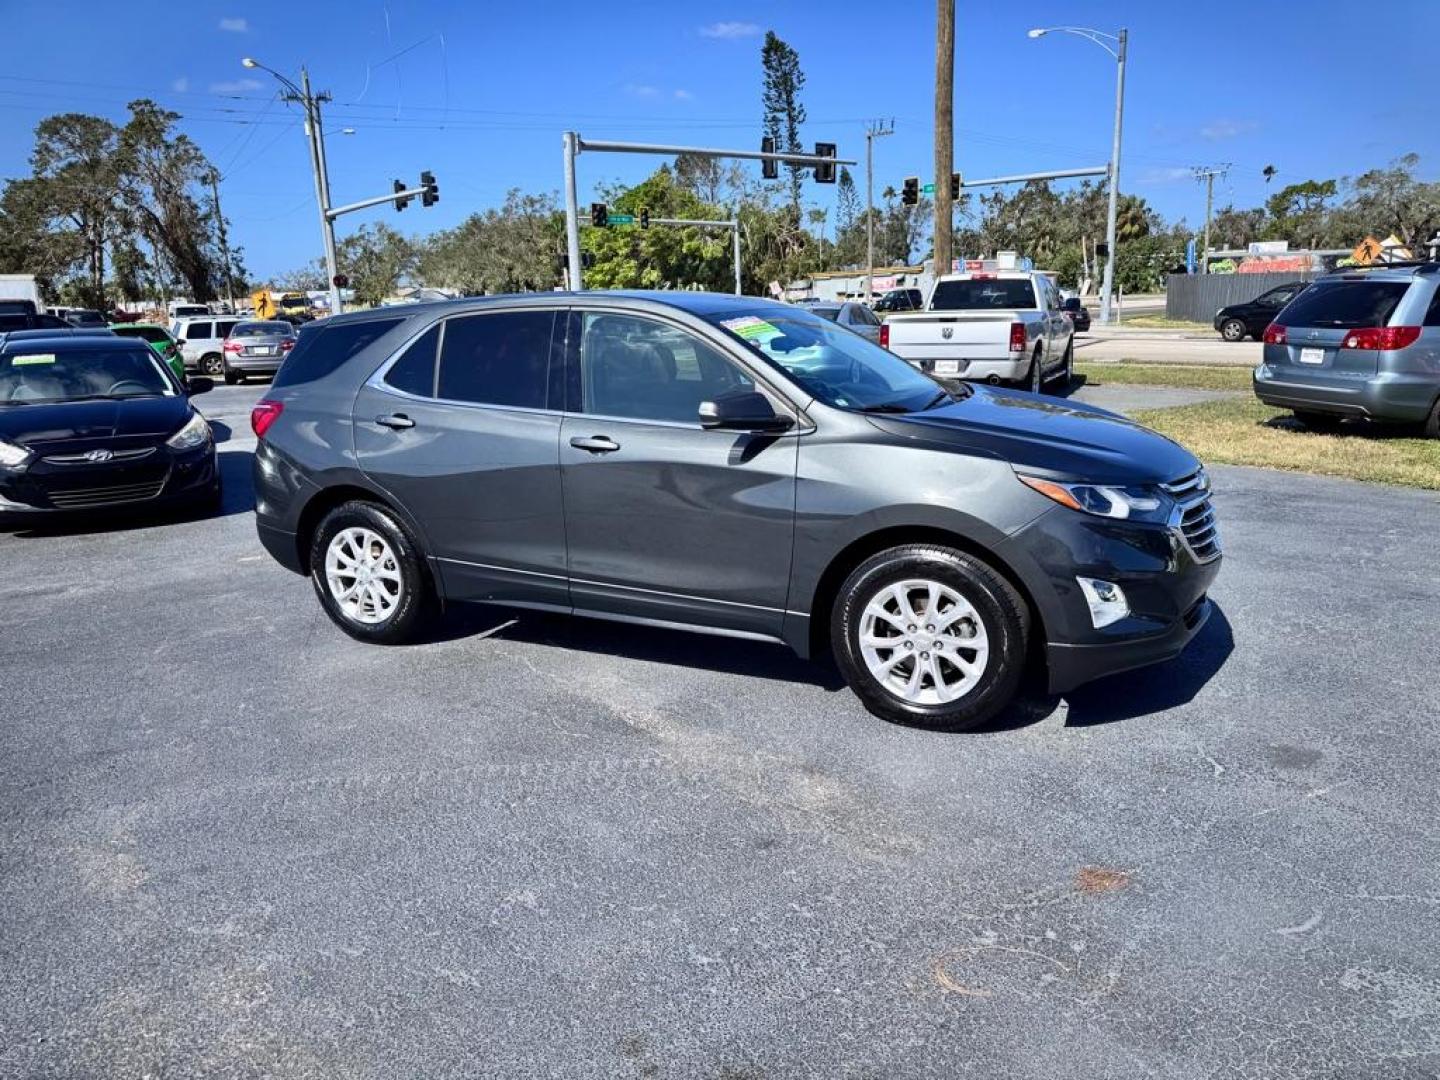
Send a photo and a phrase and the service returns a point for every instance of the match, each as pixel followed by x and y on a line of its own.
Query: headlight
pixel 195 432
pixel 12 456
pixel 1130 503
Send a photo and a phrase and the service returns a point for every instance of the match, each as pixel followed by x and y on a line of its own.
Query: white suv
pixel 202 341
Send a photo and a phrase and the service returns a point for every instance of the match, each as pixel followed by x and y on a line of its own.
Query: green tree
pixel 783 112
pixel 377 259
pixel 513 248
pixel 77 168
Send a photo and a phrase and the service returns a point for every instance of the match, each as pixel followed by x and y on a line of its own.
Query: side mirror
pixel 742 410
pixel 200 385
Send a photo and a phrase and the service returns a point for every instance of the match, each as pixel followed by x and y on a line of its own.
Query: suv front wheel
pixel 930 636
pixel 369 576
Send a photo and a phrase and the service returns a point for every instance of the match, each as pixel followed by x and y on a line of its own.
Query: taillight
pixel 884 335
pixel 1274 334
pixel 287 344
pixel 1381 338
pixel 263 415
pixel 231 345
pixel 1017 337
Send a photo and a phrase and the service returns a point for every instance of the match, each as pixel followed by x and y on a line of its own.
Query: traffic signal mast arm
pixel 408 193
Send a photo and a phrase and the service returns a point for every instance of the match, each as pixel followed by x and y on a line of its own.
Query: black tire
pixel 1067 367
pixel 1431 427
pixel 1001 610
pixel 1035 376
pixel 413 610
pixel 1233 330
pixel 212 364
pixel 1318 421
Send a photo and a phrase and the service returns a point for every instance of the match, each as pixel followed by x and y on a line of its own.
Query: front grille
pixel 1195 516
pixel 82 458
pixel 109 495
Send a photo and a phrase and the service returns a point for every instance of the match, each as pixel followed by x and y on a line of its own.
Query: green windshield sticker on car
pixel 750 327
pixel 33 358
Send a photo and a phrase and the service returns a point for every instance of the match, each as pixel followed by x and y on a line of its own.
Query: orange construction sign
pixel 1367 251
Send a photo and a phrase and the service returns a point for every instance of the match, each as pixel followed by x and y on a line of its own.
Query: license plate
pixel 947 367
pixel 1312 356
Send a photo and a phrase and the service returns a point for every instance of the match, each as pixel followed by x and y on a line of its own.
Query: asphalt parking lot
pixel 238 843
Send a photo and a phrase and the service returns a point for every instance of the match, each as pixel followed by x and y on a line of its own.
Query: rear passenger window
pixel 197 331
pixel 414 372
pixel 500 359
pixel 321 350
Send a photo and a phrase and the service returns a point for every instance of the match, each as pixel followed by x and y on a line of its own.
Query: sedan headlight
pixel 12 456
pixel 195 433
pixel 1128 502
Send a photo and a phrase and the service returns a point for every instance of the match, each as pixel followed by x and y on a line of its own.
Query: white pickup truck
pixel 997 326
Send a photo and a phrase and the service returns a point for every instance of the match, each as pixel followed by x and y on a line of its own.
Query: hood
pixel 1052 436
pixel 79 424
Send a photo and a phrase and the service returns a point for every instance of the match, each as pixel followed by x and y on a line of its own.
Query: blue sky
pixel 480 92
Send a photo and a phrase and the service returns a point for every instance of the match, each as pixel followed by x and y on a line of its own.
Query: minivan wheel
pixel 212 364
pixel 368 574
pixel 1431 429
pixel 1232 330
pixel 930 637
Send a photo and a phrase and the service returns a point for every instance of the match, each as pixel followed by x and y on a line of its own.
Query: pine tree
pixel 847 201
pixel 781 100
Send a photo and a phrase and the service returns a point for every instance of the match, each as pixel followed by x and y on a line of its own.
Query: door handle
pixel 596 444
pixel 395 421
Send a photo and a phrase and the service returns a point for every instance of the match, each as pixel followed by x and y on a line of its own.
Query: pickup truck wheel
pixel 1067 369
pixel 1035 380
pixel 930 636
pixel 1232 330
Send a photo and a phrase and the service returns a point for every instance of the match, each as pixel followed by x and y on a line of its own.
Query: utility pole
pixel 1208 175
pixel 877 129
pixel 316 131
pixel 224 245
pixel 944 131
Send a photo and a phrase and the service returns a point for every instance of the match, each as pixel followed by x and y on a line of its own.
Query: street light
pixel 1121 40
pixel 314 133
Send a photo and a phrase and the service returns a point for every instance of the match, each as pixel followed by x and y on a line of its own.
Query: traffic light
pixel 954 187
pixel 432 190
pixel 399 186
pixel 910 193
pixel 825 174
pixel 644 217
pixel 769 170
pixel 599 215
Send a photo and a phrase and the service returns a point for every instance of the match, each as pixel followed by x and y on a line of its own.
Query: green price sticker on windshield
pixel 33 358
pixel 749 327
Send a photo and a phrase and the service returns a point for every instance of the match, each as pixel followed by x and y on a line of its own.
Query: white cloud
pixel 1226 129
pixel 683 95
pixel 235 25
pixel 235 86
pixel 641 90
pixel 730 31
pixel 180 85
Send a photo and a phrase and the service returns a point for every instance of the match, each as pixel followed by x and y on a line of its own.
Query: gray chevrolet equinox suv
pixel 1361 342
pixel 736 466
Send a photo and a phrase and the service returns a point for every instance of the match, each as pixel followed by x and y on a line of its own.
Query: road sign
pixel 928 189
pixel 621 219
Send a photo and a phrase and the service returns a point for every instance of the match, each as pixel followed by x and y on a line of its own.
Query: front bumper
pixel 1165 586
pixel 45 492
pixel 1385 396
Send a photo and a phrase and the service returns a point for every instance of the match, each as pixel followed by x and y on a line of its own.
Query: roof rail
pixel 1420 266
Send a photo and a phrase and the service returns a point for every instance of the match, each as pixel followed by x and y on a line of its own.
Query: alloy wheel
pixel 923 642
pixel 363 575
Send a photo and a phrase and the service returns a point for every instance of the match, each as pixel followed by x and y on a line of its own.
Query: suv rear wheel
pixel 930 636
pixel 212 364
pixel 1233 330
pixel 369 576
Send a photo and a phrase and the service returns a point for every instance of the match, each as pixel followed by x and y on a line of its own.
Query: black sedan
pixel 1239 321
pixel 1075 311
pixel 92 422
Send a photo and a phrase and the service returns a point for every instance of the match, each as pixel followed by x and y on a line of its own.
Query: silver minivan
pixel 1362 342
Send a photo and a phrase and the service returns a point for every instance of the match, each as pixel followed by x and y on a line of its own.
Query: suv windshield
pixel 1344 304
pixel 262 329
pixel 39 377
pixel 839 368
pixel 979 294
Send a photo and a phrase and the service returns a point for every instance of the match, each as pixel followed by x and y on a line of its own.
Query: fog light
pixel 1106 599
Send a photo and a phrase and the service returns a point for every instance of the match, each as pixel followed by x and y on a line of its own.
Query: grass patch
pixel 1160 322
pixel 1185 376
pixel 1245 432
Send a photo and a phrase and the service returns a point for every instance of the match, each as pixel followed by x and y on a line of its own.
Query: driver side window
pixel 645 370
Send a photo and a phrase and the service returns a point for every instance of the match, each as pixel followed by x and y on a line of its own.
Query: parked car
pixel 1364 341
pixel 1239 321
pixel 1076 312
pixel 202 342
pixel 84 318
pixel 94 421
pixel 159 339
pixel 16 320
pixel 901 300
pixel 1003 326
pixel 732 465
pixel 256 348
pixel 857 318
